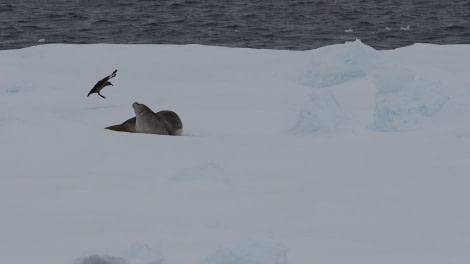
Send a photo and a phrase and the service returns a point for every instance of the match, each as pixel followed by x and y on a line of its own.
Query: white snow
pixel 341 154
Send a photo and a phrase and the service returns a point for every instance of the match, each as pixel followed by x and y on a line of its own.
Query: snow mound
pixel 405 102
pixel 101 259
pixel 143 254
pixel 136 254
pixel 250 253
pixel 321 114
pixel 339 64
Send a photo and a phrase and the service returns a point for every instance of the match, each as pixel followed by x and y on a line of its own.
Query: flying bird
pixel 101 84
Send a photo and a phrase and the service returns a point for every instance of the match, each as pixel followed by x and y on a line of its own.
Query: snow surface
pixel 341 154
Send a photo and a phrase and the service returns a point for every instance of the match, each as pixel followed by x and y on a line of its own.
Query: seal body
pixel 146 120
pixel 162 123
pixel 171 121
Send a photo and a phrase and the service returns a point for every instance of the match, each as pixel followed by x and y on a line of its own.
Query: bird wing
pixel 105 79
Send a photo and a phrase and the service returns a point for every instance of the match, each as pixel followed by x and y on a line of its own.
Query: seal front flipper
pixel 101 84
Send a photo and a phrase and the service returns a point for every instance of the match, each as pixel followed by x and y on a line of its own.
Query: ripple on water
pixel 295 25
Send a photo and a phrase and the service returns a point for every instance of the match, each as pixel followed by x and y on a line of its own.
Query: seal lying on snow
pixel 146 121
pixel 161 123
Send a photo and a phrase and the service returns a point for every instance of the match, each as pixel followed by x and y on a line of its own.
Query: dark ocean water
pixel 271 24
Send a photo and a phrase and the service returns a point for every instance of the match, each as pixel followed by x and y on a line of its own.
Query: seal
pixel 170 119
pixel 101 84
pixel 162 123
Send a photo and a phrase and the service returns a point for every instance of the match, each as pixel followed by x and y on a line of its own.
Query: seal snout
pixel 138 108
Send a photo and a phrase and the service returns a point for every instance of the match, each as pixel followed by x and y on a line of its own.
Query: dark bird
pixel 101 84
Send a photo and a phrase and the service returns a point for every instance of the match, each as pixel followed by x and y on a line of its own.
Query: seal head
pixel 147 121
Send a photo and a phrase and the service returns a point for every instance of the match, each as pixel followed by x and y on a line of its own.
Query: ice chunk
pixel 320 114
pixel 339 64
pixel 404 102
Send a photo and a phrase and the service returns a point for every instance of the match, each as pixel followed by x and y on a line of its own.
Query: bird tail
pixel 112 74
